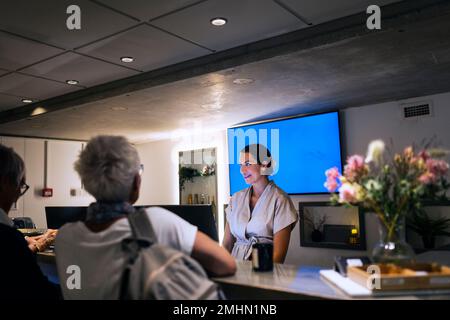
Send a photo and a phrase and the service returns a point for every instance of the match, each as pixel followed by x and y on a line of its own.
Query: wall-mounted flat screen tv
pixel 302 149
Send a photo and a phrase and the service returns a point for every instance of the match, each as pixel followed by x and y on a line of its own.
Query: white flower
pixel 373 185
pixel 375 151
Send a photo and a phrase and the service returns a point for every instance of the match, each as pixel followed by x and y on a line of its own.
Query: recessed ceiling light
pixel 218 22
pixel 72 82
pixel 38 111
pixel 119 108
pixel 27 100
pixel 243 81
pixel 127 59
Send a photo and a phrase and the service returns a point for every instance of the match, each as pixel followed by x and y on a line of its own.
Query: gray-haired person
pixel 110 170
pixel 20 275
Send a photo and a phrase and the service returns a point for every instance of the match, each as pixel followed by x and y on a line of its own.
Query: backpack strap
pixel 141 226
pixel 143 236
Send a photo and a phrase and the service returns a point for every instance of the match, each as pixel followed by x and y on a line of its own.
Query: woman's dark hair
pixel 11 166
pixel 259 152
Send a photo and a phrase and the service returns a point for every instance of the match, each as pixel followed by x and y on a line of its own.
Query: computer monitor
pixel 58 216
pixel 198 215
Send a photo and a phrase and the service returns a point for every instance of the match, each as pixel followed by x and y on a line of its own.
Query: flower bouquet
pixel 391 189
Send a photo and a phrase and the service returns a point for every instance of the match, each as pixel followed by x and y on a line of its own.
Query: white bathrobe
pixel 273 212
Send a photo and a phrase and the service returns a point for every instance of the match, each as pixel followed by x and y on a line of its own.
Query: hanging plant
pixel 187 174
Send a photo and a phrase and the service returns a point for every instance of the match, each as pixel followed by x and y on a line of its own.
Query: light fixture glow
pixel 72 82
pixel 127 59
pixel 218 22
pixel 27 100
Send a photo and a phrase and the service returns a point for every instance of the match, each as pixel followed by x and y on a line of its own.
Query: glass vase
pixel 392 246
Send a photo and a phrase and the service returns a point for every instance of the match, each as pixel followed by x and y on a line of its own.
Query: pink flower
pixel 408 152
pixel 437 167
pixel 355 165
pixel 427 178
pixel 332 173
pixel 331 185
pixel 347 193
pixel 424 155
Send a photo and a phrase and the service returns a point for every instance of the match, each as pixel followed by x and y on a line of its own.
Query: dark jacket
pixel 20 275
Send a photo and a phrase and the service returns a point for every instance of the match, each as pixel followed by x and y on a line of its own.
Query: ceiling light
pixel 119 108
pixel 243 81
pixel 72 82
pixel 218 22
pixel 38 111
pixel 27 100
pixel 127 59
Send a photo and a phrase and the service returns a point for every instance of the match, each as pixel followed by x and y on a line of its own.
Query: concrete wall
pixel 361 125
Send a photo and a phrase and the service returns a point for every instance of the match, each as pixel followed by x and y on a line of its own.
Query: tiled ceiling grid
pixel 38 54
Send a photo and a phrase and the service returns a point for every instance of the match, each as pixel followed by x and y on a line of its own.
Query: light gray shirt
pixel 273 212
pixel 100 257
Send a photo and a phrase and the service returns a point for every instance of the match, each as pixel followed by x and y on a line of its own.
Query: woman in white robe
pixel 261 213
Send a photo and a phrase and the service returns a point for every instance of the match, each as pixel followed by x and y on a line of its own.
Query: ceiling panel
pixel 330 76
pixel 145 9
pixel 318 11
pixel 17 52
pixel 72 66
pixel 9 102
pixel 31 87
pixel 248 21
pixel 45 20
pixel 2 72
pixel 150 47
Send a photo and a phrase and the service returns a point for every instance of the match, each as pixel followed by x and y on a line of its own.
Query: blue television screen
pixel 302 149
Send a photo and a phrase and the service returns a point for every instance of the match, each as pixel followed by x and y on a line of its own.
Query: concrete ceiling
pixel 331 67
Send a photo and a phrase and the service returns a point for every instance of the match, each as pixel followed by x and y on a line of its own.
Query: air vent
pixel 416 110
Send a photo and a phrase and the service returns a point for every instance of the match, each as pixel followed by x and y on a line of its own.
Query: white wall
pixel 360 126
pixel 61 176
pixel 160 177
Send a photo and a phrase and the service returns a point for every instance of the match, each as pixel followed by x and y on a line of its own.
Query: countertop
pixel 290 282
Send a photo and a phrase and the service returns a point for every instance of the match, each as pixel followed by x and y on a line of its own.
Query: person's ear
pixel 137 181
pixel 266 168
pixel 134 195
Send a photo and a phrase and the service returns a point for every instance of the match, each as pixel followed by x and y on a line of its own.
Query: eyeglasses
pixel 23 188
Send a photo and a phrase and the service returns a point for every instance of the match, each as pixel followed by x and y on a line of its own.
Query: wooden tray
pixel 415 276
